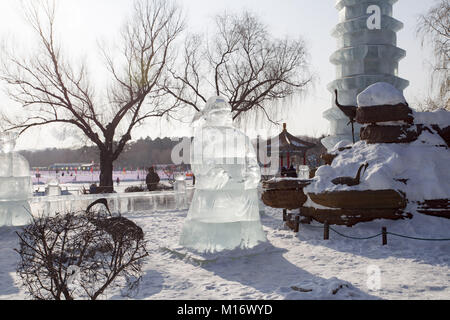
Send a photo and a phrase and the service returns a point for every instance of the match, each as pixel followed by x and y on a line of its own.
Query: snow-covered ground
pixel 287 265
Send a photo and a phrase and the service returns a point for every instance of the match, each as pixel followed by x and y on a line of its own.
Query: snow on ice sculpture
pixel 367 54
pixel 15 184
pixel 379 94
pixel 224 213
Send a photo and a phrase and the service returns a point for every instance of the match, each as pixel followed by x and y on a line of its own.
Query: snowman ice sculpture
pixel 15 184
pixel 224 213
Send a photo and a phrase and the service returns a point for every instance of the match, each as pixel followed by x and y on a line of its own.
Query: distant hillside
pixel 139 154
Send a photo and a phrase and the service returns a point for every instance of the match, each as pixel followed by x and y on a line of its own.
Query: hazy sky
pixel 84 22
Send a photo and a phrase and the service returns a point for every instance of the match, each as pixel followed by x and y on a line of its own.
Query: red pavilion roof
pixel 289 143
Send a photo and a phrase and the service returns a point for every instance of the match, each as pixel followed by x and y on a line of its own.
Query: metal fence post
pixel 326 231
pixel 297 224
pixel 384 231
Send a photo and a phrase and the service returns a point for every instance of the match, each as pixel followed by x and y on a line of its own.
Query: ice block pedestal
pixel 179 187
pixel 368 53
pixel 53 188
pixel 15 184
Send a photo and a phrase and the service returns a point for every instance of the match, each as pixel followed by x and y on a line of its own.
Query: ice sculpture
pixel 224 213
pixel 53 188
pixel 368 54
pixel 179 188
pixel 15 184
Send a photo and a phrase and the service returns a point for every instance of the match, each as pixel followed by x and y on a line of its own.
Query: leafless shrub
pixel 135 189
pixel 80 255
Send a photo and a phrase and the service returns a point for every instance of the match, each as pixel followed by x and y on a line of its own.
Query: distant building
pixel 73 167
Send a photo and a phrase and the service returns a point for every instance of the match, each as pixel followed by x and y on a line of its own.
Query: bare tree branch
pixel 434 28
pixel 52 90
pixel 241 62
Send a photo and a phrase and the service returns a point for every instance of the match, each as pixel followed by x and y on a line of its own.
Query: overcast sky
pixel 84 22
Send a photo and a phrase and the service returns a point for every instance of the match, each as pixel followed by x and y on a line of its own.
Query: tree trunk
pixel 106 172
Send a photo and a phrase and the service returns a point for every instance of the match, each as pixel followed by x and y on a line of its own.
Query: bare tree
pixel 80 255
pixel 434 27
pixel 53 90
pixel 241 62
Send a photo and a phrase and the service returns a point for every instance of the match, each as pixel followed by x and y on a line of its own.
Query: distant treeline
pixel 139 154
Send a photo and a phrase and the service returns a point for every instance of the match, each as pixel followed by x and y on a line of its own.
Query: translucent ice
pixel 224 213
pixel 365 56
pixel 15 184
pixel 53 188
pixel 179 187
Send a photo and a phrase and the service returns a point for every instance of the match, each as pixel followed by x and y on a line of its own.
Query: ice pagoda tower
pixel 368 53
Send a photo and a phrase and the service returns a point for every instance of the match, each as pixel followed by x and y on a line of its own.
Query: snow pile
pixel 424 165
pixel 203 258
pixel 439 117
pixel 329 289
pixel 392 123
pixel 297 144
pixel 341 144
pixel 379 94
pixel 279 179
pixel 311 204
